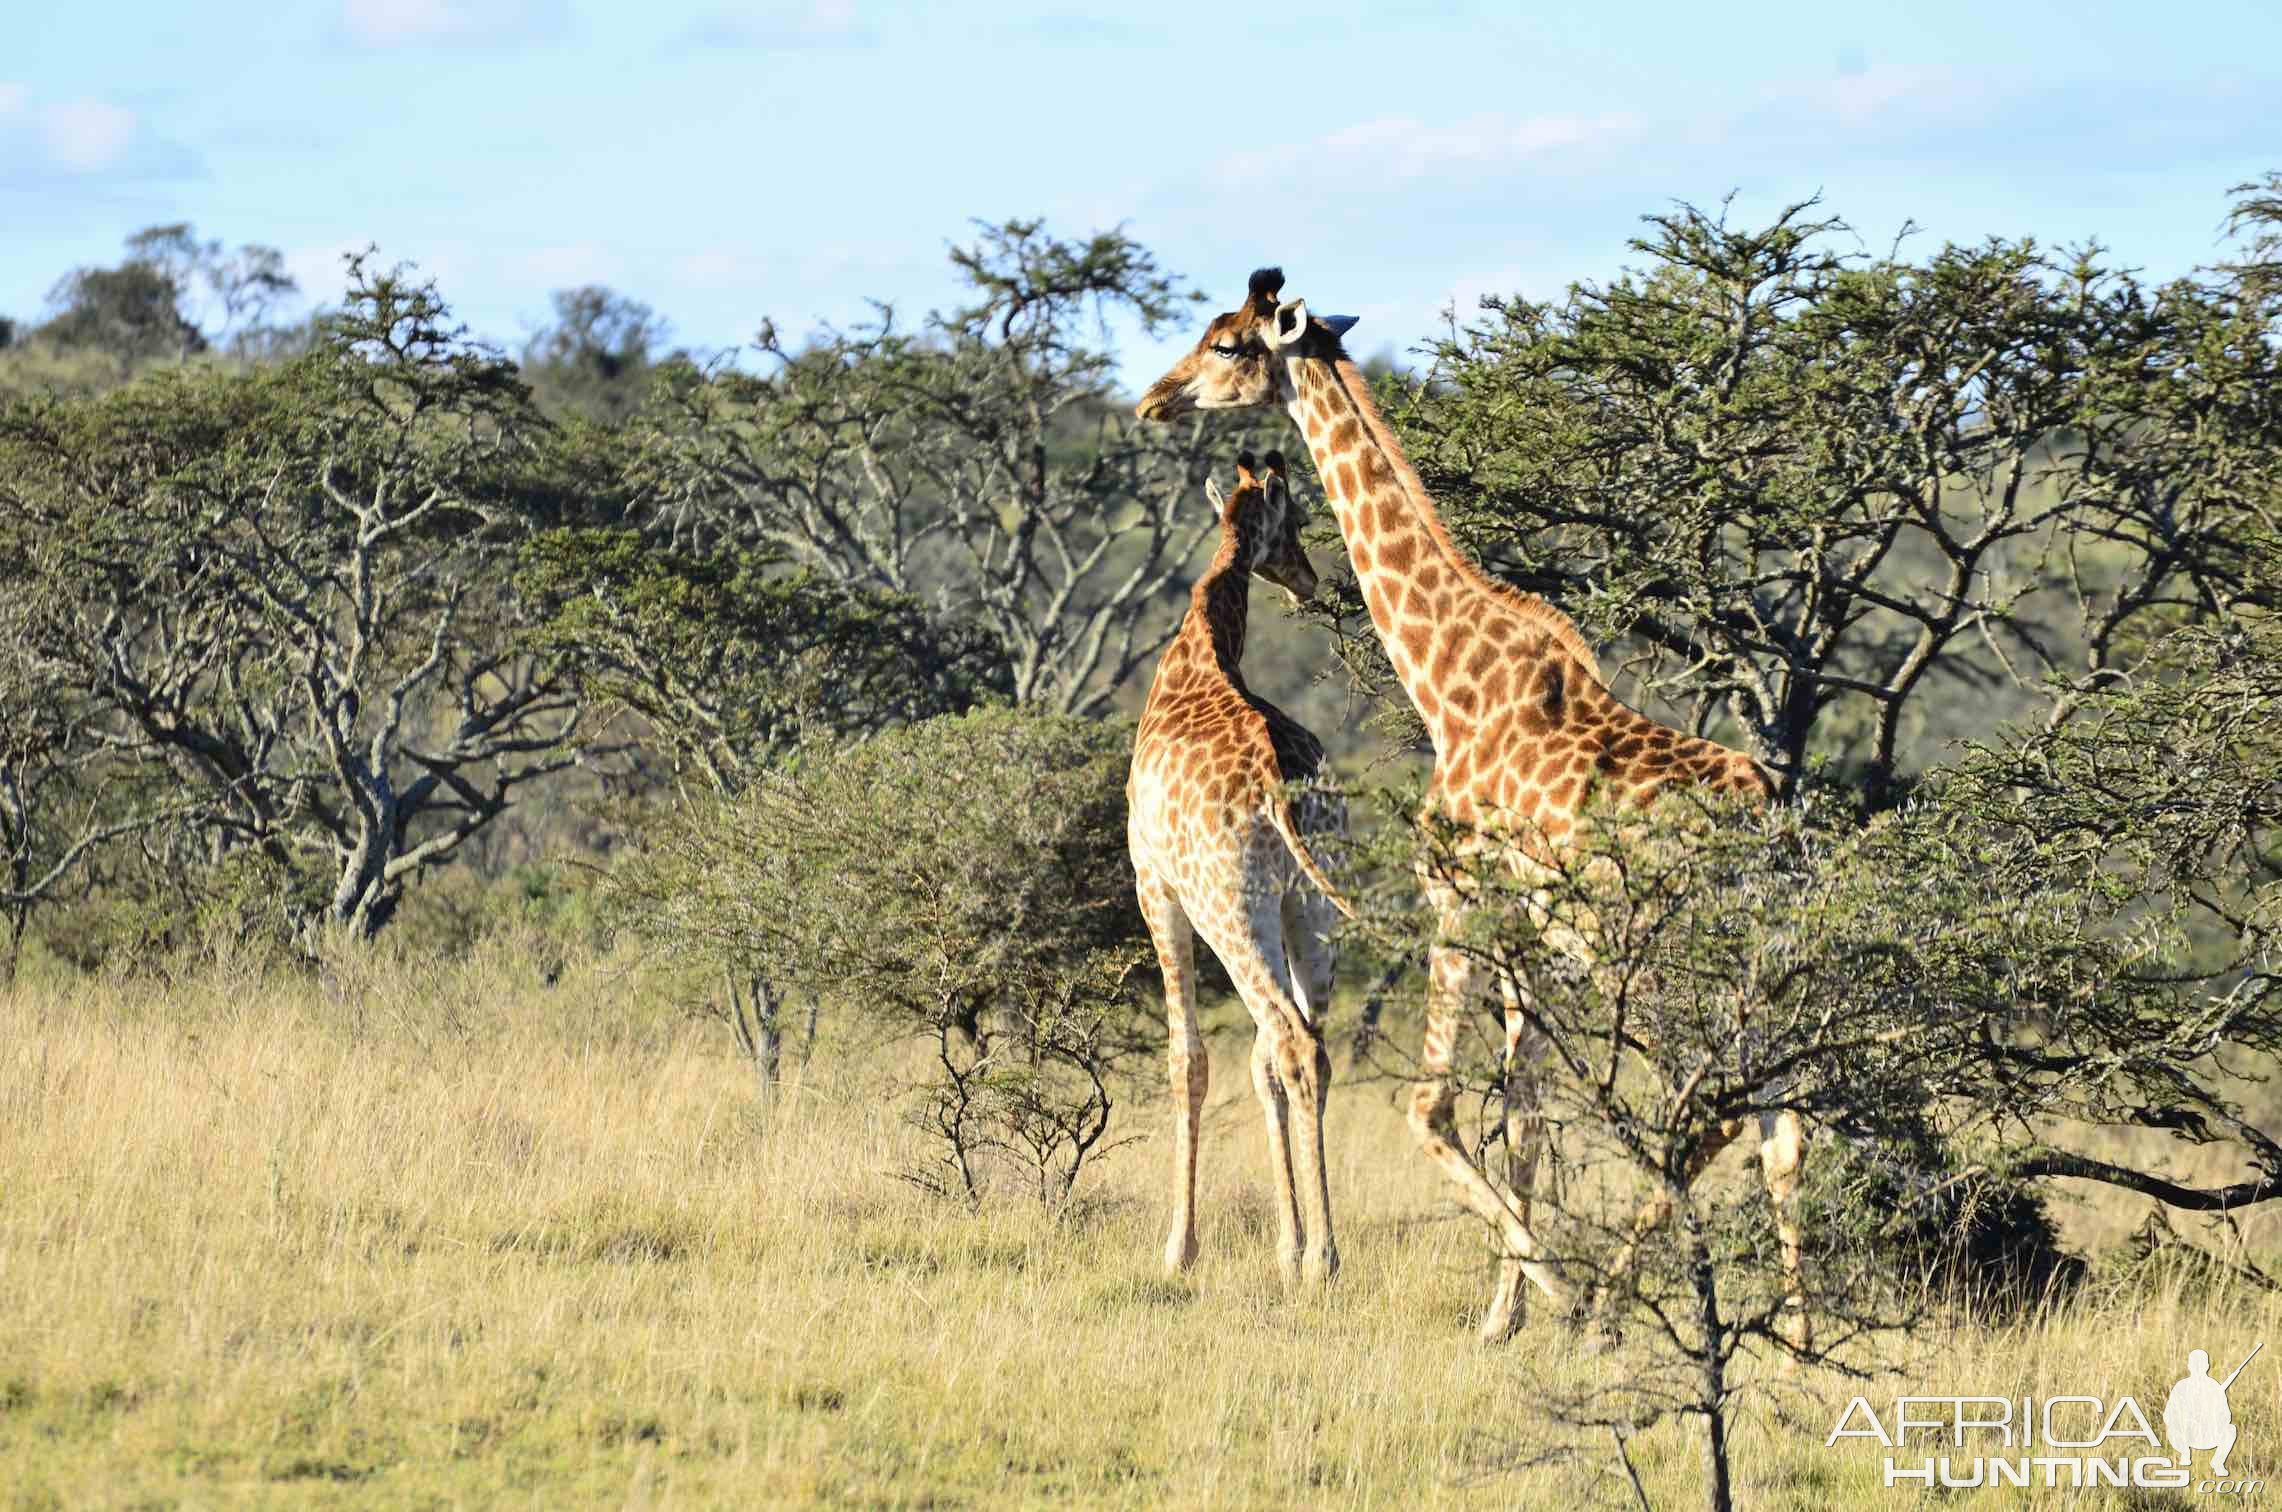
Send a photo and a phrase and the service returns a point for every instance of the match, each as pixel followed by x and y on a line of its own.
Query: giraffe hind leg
pixel 1657 1207
pixel 1189 1069
pixel 1254 954
pixel 1275 1109
pixel 1313 955
pixel 1524 1146
pixel 1782 1151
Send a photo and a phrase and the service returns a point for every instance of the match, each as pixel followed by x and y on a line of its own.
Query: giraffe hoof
pixel 1500 1323
pixel 1323 1269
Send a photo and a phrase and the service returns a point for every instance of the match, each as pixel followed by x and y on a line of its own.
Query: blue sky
pixel 728 162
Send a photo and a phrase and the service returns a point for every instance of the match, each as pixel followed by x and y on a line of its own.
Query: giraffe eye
pixel 1227 349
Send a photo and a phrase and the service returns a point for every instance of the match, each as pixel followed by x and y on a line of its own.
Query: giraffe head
pixel 1240 362
pixel 1262 520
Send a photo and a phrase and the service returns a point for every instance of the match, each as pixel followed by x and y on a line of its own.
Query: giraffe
pixel 1526 738
pixel 1218 850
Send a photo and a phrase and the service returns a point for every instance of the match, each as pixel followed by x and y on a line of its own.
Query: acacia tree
pixel 172 297
pixel 65 794
pixel 728 665
pixel 1951 996
pixel 595 359
pixel 289 588
pixel 979 461
pixel 2059 487
pixel 1805 488
pixel 733 661
pixel 958 883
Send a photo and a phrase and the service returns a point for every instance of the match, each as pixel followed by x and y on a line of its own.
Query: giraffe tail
pixel 1280 815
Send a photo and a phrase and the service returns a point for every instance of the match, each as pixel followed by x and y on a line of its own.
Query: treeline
pixel 296 617
pixel 297 612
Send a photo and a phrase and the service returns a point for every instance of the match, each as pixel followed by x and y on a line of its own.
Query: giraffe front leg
pixel 1249 939
pixel 1304 1067
pixel 1617 1274
pixel 1189 1067
pixel 1450 986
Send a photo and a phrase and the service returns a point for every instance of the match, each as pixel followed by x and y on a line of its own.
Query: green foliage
pixel 961 881
pixel 1814 489
pixel 733 660
pixel 132 312
pixel 2072 932
pixel 286 587
pixel 980 461
pixel 1931 1222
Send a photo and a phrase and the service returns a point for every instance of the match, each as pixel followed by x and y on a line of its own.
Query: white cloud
pixel 405 23
pixel 1403 147
pixel 805 23
pixel 1390 151
pixel 1879 94
pixel 44 141
pixel 87 135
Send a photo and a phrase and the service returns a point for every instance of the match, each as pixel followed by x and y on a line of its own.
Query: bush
pixel 1931 1221
pixel 961 882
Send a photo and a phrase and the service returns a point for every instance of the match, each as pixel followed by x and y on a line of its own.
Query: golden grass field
pixel 441 1236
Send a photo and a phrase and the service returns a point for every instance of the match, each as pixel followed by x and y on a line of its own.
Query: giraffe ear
pixel 1340 324
pixel 1279 492
pixel 1289 323
pixel 1219 501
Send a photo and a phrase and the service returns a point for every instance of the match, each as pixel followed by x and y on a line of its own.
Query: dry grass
pixel 451 1238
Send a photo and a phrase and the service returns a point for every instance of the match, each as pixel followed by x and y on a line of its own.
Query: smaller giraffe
pixel 1218 849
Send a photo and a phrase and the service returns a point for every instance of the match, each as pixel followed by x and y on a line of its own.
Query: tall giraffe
pixel 1218 849
pixel 1526 736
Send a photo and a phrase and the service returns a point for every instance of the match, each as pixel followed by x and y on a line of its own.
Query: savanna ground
pixel 446 1236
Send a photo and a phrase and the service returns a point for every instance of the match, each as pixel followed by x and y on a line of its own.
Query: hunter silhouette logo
pixel 2060 1442
pixel 2195 1415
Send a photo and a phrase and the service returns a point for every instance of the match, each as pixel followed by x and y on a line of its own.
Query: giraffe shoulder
pixel 1297 753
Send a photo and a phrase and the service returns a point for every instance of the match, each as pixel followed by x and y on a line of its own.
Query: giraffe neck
pixel 1220 607
pixel 1426 599
pixel 1209 647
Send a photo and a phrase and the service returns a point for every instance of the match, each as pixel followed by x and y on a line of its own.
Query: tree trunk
pixel 1711 1380
pixel 17 917
pixel 768 1034
pixel 754 1017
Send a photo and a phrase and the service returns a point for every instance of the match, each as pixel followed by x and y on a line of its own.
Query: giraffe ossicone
pixel 1528 740
pixel 1220 850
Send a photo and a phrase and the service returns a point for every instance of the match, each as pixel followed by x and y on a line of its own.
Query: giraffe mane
pixel 1530 607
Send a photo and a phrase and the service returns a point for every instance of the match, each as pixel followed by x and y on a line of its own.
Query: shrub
pixel 960 882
